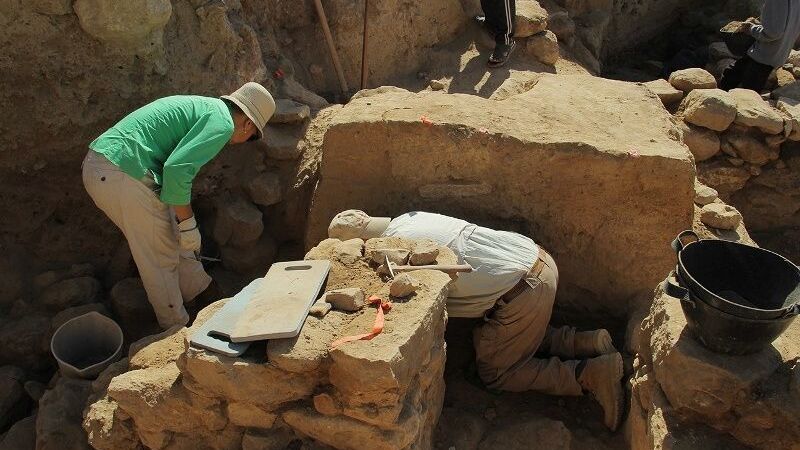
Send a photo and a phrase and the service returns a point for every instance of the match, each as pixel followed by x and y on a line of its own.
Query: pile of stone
pixel 682 393
pixel 734 136
pixel 383 393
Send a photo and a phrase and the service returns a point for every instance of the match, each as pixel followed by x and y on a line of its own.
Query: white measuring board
pixel 279 305
pixel 214 334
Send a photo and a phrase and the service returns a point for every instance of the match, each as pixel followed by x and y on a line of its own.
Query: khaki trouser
pixel 507 342
pixel 169 276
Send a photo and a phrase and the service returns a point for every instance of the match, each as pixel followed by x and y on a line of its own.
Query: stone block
pixel 238 222
pixel 21 435
pixel 252 258
pixel 309 350
pixel 13 400
pixel 134 24
pixel 531 18
pixel 281 145
pixel 704 194
pixel 25 341
pixel 403 285
pixel 711 108
pixel 721 216
pixel 347 299
pixel 753 111
pixel 243 379
pixel 687 80
pixel 398 256
pixel 544 47
pixel 72 292
pixel 250 416
pixel 395 356
pixel 424 253
pixel 265 189
pixel 58 422
pixel 750 149
pixel 52 7
pixel 346 433
pixel 565 154
pixel 108 427
pixel 791 91
pixel 290 112
pixel 665 91
pixel 723 177
pixel 702 142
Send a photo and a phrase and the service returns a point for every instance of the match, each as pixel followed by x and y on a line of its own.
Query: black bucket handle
pixel 791 312
pixel 677 243
pixel 679 292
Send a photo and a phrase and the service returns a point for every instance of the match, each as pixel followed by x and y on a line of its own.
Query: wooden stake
pixel 364 66
pixel 323 20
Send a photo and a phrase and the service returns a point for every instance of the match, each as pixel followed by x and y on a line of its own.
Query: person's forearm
pixel 183 212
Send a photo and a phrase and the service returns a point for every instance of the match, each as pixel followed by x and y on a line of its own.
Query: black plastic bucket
pixel 737 299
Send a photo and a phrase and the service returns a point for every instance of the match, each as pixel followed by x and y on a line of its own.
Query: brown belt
pixel 520 287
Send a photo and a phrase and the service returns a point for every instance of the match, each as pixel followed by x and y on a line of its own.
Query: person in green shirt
pixel 140 173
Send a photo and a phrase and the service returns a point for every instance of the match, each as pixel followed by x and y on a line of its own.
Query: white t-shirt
pixel 499 258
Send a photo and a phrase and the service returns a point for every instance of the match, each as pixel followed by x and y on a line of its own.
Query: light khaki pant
pixel 507 342
pixel 169 276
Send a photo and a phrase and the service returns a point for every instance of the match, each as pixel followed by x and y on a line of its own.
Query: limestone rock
pixel 791 108
pixel 327 405
pixel 290 112
pixel 58 422
pixel 250 416
pixel 108 427
pixel 282 145
pixel 544 47
pixel 460 428
pixel 265 189
pixel 519 435
pixel 531 18
pixel 747 397
pixel 794 58
pixel 398 256
pixel 35 390
pixel 135 24
pixel 25 341
pixel 750 149
pixel 260 439
pixel 783 77
pixel 72 292
pixel 704 194
pixel 349 251
pixel 424 253
pixel 722 176
pixel 157 350
pixel 71 313
pixel 21 435
pixel 130 305
pixel 320 309
pixel 753 111
pixel 702 142
pixel 736 162
pixel 256 256
pixel 238 222
pixel 437 85
pixel 13 400
pixel 687 80
pixel 562 25
pixel 403 285
pixel 789 91
pixel 52 7
pixel 665 91
pixel 720 215
pixel 348 299
pixel 719 50
pixel 711 108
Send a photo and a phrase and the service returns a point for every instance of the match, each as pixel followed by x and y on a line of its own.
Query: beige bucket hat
pixel 256 102
pixel 354 223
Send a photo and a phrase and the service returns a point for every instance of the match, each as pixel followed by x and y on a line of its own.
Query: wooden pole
pixel 364 66
pixel 323 20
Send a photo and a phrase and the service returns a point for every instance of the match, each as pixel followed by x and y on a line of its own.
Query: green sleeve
pixel 202 143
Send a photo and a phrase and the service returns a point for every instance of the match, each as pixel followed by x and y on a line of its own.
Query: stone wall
pixel 383 393
pixel 584 177
pixel 685 396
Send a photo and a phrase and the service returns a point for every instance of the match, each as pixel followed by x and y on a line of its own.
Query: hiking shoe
pixel 601 378
pixel 589 344
pixel 501 53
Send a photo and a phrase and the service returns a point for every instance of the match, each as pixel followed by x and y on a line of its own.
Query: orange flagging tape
pixel 377 327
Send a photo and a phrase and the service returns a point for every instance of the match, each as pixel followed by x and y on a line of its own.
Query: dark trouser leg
pixel 756 76
pixel 745 73
pixel 500 16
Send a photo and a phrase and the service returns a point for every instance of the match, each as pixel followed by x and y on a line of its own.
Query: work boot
pixel 601 378
pixel 589 344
